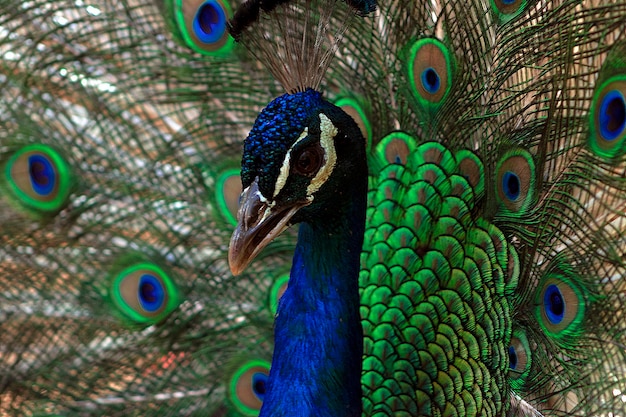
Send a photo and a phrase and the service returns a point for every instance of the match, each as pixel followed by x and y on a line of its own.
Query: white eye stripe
pixel 327 136
pixel 328 133
pixel 284 169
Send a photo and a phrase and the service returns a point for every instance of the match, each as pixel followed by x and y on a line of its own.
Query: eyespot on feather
pixel 560 306
pixel 248 385
pixel 202 25
pixel 508 9
pixel 471 167
pixel 515 180
pixel 352 107
pixel 607 118
pixel 395 148
pixel 144 293
pixel 38 179
pixel 430 71
pixel 520 359
pixel 513 270
pixel 227 192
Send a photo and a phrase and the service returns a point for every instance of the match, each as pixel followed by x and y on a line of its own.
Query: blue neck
pixel 316 370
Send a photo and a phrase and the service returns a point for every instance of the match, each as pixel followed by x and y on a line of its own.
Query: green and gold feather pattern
pixel 426 260
pixel 492 274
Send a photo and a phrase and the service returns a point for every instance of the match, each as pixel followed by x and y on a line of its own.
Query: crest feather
pixel 309 32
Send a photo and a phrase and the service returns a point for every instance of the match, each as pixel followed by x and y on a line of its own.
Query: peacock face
pixel 298 155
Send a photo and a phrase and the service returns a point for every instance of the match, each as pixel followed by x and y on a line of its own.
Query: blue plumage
pixel 318 334
pixel 276 128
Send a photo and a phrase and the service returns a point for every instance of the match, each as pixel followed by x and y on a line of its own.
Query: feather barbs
pixel 295 40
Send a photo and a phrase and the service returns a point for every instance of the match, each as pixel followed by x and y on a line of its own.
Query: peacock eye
pixel 308 161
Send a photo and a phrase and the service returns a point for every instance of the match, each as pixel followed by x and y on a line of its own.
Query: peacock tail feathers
pixel 116 297
pixel 492 270
pixel 542 196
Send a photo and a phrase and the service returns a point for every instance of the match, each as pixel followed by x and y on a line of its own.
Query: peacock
pixel 456 172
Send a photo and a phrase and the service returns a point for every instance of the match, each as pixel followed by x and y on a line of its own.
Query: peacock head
pixel 301 153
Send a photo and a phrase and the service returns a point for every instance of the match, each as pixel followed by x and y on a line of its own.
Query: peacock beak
pixel 258 223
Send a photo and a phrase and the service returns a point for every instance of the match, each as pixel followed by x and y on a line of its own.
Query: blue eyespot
pixel 42 174
pixel 259 385
pixel 512 357
pixel 248 386
pixel 520 359
pixel 554 304
pixel 151 293
pixel 430 80
pixel 612 115
pixel 508 2
pixel 142 292
pixel 209 23
pixel 511 185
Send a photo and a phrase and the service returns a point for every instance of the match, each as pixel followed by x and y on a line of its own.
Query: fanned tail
pixel 117 148
pixel 493 269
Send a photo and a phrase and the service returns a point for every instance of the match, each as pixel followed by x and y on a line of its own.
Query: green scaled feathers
pixel 444 260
